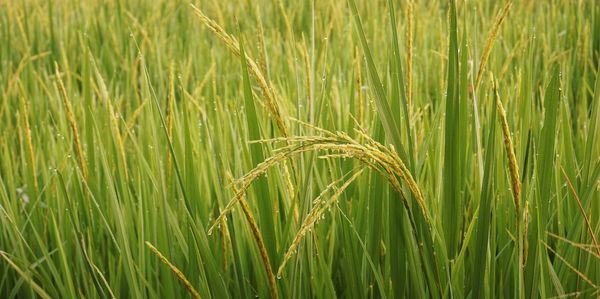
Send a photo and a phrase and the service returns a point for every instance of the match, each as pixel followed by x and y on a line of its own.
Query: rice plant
pixel 299 149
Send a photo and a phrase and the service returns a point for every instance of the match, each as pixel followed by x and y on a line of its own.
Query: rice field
pixel 299 149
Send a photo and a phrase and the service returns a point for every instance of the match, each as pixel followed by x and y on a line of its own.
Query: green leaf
pixel 388 118
pixel 485 213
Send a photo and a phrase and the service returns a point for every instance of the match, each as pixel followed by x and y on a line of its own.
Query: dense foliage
pixel 297 149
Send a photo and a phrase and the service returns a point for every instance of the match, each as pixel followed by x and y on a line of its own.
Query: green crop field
pixel 299 149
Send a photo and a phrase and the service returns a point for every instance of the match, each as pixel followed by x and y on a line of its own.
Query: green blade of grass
pixel 399 92
pixel 485 213
pixel 265 204
pixel 536 279
pixel 388 118
pixel 451 202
